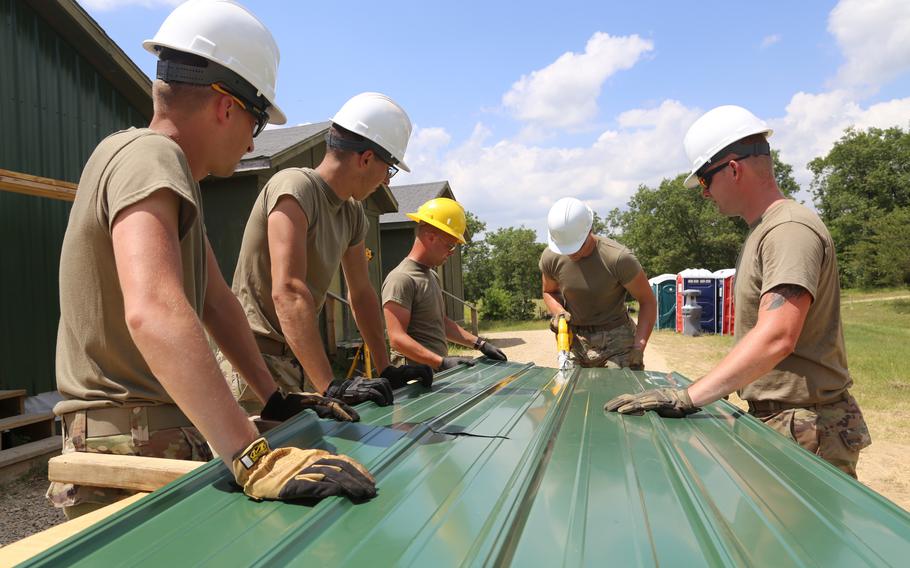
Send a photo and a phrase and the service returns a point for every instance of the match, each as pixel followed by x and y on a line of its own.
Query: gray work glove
pixel 279 407
pixel 491 351
pixel 362 389
pixel 637 359
pixel 554 321
pixel 449 362
pixel 669 403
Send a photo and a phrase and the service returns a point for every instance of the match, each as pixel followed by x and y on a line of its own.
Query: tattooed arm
pixel 781 313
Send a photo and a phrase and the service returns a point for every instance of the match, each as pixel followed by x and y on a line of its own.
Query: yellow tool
pixel 364 350
pixel 563 344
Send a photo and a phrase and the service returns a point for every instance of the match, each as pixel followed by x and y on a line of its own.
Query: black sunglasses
pixel 262 117
pixel 704 178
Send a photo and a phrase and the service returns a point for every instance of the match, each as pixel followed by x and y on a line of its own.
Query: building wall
pixel 54 109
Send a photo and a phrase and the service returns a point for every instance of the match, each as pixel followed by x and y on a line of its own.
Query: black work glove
pixel 400 376
pixel 491 351
pixel 669 403
pixel 362 389
pixel 449 362
pixel 279 407
pixel 292 473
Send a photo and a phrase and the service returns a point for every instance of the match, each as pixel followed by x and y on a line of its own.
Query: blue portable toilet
pixel 724 302
pixel 664 288
pixel 705 282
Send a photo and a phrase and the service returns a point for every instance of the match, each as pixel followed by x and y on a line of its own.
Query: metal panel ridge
pixel 510 464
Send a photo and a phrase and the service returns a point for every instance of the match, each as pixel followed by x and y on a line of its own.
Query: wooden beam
pixel 123 472
pixel 35 185
pixel 22 550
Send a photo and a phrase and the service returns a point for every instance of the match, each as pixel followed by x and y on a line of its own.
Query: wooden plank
pixel 24 428
pixel 18 182
pixel 30 546
pixel 12 393
pixel 21 420
pixel 16 462
pixel 12 402
pixel 123 472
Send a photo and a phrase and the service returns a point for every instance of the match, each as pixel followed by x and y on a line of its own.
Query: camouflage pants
pixel 608 347
pixel 835 432
pixel 285 369
pixel 175 443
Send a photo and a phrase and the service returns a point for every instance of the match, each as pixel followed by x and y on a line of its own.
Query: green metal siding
pixel 54 108
pixel 510 464
pixel 226 205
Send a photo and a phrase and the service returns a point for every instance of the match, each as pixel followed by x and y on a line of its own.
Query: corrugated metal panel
pixel 512 464
pixel 54 108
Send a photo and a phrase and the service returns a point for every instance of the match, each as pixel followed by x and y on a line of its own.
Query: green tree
pixel 865 176
pixel 783 174
pixel 515 277
pixel 882 258
pixel 475 258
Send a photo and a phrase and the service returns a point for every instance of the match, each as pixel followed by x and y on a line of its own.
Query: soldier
pixel 585 280
pixel 139 284
pixel 304 224
pixel 412 297
pixel 789 361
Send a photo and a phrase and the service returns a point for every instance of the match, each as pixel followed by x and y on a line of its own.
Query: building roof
pixel 275 143
pixel 506 463
pixel 412 196
pixel 84 34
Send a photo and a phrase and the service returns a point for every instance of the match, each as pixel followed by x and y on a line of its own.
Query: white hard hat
pixel 225 32
pixel 568 224
pixel 714 131
pixel 379 119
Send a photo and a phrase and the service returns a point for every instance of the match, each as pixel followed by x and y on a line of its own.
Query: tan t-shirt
pixel 334 225
pixel 98 365
pixel 416 288
pixel 790 245
pixel 593 287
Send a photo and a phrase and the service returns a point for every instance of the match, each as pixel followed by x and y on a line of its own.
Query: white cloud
pixel 770 40
pixel 510 183
pixel 564 94
pixel 874 36
pixel 110 5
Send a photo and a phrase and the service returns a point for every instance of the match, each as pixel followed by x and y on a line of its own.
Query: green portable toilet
pixel 664 288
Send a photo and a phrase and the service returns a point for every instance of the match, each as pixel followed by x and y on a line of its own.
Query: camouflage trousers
pixel 184 443
pixel 835 432
pixel 285 370
pixel 611 347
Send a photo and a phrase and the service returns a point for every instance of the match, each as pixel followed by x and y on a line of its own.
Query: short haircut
pixel 344 134
pixel 175 95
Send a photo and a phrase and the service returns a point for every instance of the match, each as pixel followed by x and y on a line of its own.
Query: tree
pixel 783 174
pixel 475 259
pixel 883 257
pixel 515 277
pixel 865 176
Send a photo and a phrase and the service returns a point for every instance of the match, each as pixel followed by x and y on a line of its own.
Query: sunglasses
pixel 262 117
pixel 704 178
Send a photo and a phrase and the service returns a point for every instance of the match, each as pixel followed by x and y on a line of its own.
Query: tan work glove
pixel 292 473
pixel 554 321
pixel 669 403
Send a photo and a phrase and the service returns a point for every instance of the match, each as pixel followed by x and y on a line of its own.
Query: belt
pixel 115 421
pixel 269 346
pixel 777 406
pixel 612 324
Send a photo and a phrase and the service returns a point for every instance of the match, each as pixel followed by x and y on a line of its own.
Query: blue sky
pixel 520 103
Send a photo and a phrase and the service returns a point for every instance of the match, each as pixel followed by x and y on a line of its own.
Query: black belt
pixel 777 406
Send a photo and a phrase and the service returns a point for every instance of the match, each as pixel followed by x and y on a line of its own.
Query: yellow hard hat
pixel 445 214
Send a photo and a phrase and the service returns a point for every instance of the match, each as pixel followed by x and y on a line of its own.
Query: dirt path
pixel 876 299
pixel 883 466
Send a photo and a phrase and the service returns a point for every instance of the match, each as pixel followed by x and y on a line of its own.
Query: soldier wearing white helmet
pixel 585 280
pixel 304 224
pixel 139 284
pixel 789 362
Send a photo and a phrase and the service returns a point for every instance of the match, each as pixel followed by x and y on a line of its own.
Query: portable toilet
pixel 724 301
pixel 664 288
pixel 703 281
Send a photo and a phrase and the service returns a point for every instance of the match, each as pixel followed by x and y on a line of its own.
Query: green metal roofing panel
pixel 505 463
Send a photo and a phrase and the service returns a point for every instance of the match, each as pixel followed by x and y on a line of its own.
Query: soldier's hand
pixel 362 389
pixel 491 351
pixel 280 407
pixel 669 403
pixel 637 359
pixel 401 376
pixel 554 321
pixel 292 473
pixel 449 362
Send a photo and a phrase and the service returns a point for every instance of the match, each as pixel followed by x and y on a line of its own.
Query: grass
pixel 877 336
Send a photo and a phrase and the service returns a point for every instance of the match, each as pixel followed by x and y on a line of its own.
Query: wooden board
pixel 15 462
pixel 12 402
pixel 124 472
pixel 35 185
pixel 22 550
